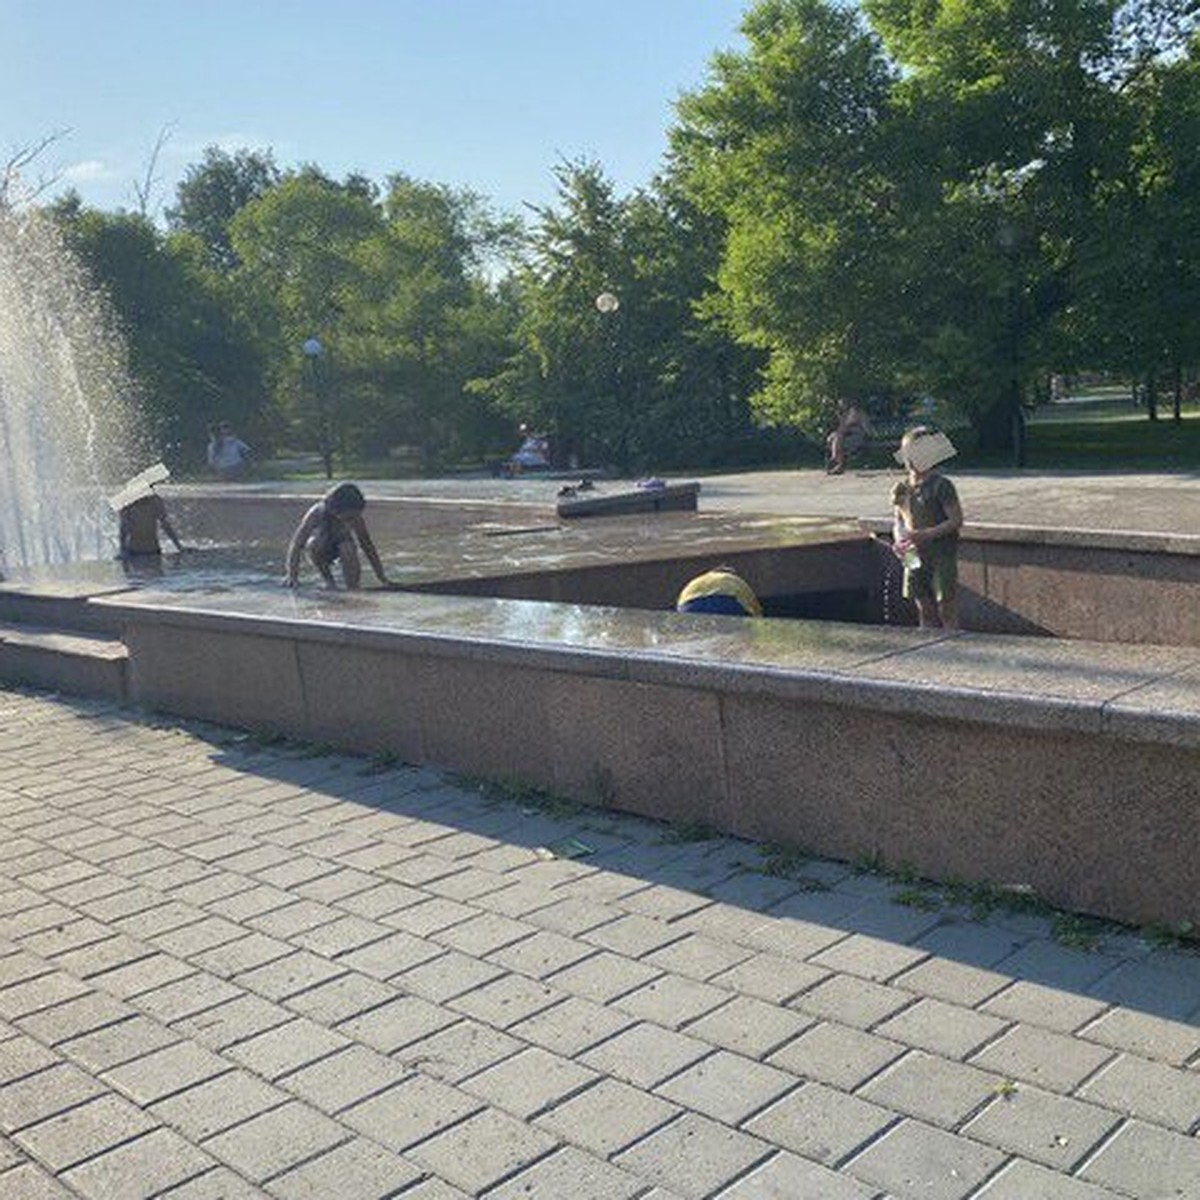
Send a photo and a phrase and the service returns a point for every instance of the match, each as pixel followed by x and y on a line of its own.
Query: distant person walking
pixel 332 531
pixel 928 517
pixel 228 455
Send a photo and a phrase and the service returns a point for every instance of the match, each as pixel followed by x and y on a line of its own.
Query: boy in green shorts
pixel 927 508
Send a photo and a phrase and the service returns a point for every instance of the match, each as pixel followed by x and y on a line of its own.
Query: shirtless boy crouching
pixel 332 531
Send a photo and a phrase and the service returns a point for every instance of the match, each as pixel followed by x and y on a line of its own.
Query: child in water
pixel 332 531
pixel 928 517
pixel 140 513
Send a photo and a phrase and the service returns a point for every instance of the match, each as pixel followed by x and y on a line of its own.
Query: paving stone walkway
pixel 232 970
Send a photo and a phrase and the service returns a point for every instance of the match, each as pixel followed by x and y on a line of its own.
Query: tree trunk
pixel 1177 394
pixel 1152 396
pixel 1001 429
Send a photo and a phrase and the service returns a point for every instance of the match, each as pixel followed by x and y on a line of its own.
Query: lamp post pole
pixel 313 350
pixel 608 305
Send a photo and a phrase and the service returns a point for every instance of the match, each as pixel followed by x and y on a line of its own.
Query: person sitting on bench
pixel 852 430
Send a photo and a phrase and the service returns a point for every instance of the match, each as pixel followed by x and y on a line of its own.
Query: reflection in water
pixel 143 568
pixel 415 551
pixel 245 576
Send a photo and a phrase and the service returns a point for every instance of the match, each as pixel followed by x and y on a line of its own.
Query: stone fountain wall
pixel 1069 769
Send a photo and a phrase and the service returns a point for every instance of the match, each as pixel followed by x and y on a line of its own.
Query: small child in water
pixel 140 513
pixel 139 525
pixel 332 531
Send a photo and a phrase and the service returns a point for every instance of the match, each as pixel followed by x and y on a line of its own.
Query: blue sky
pixel 486 94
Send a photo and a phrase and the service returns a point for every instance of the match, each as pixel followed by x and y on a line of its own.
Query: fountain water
pixel 66 413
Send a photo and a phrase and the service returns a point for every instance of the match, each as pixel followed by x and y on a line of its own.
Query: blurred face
pixel 910 448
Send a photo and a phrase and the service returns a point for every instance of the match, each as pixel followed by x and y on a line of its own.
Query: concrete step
pixel 76 663
pixel 62 606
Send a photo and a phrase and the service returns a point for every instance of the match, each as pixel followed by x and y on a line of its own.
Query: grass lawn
pixel 1106 436
pixel 1101 431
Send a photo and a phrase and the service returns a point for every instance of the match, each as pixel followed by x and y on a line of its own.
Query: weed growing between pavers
pixel 1074 931
pixel 1171 937
pixel 683 832
pixel 381 763
pixel 979 900
pixel 919 899
pixel 782 861
pixel 269 740
pixel 316 750
pixel 1077 933
pixel 531 796
pixel 870 864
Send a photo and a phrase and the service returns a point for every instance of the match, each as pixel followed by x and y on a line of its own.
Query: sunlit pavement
pixel 233 969
pixel 1125 501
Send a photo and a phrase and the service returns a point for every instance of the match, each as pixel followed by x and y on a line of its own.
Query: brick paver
pixel 230 969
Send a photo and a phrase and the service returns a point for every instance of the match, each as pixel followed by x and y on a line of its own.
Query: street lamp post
pixel 608 305
pixel 313 350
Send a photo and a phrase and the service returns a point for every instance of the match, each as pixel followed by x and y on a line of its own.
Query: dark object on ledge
pixel 673 497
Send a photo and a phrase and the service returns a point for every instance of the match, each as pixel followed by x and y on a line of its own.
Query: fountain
pixel 517 651
pixel 66 420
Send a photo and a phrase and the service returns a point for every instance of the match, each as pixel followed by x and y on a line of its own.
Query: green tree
pixel 298 274
pixel 693 409
pixel 653 379
pixel 910 188
pixel 565 376
pixel 396 293
pixel 792 146
pixel 193 359
pixel 213 191
pixel 1013 93
pixel 425 321
pixel 1137 281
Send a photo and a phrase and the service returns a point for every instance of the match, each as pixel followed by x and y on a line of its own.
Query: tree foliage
pixel 394 292
pixel 899 199
pixel 213 192
pixel 912 190
pixel 653 381
pixel 195 360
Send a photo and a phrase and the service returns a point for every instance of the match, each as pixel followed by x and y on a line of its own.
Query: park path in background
pixel 1135 502
pixel 1114 502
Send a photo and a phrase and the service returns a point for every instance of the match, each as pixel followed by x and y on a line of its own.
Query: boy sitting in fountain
pixel 332 531
pixel 140 511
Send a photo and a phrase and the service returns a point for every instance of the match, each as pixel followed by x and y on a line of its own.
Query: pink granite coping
pixel 1140 693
